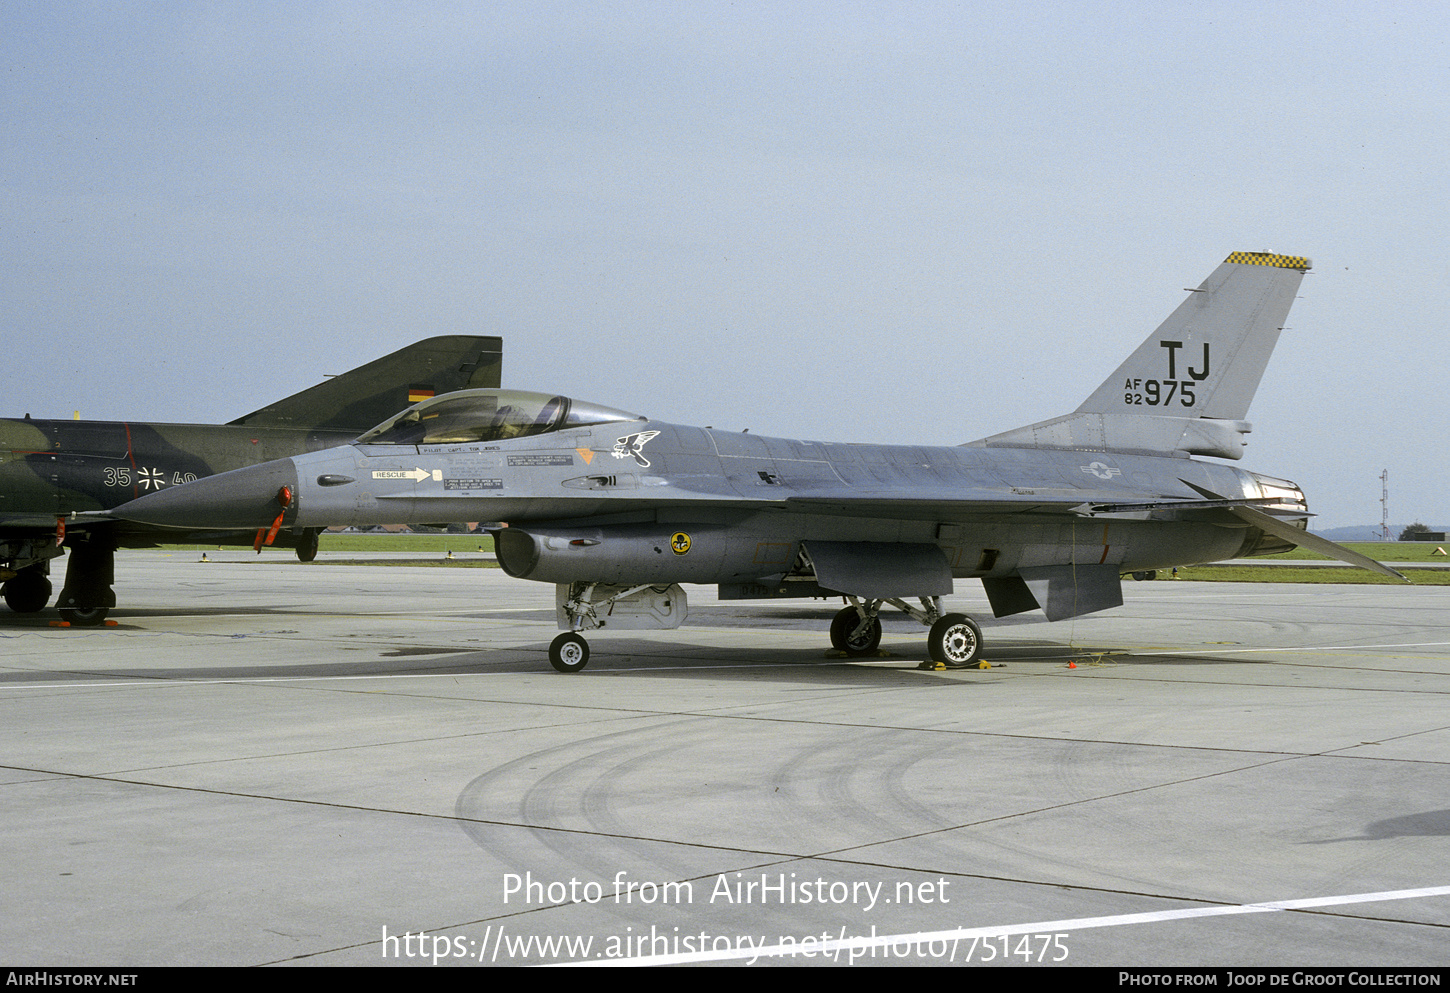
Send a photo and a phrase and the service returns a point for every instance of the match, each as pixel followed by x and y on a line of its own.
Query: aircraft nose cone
pixel 242 498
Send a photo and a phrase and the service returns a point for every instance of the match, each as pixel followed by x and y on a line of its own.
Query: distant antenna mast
pixel 1385 505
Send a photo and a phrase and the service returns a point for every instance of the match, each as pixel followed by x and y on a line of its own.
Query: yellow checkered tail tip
pixel 1270 259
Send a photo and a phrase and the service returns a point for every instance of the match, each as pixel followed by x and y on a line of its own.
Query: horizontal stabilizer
pixel 1313 542
pixel 1300 537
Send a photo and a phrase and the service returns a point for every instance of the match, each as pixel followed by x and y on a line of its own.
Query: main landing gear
pixel 857 630
pixel 28 591
pixel 87 597
pixel 954 640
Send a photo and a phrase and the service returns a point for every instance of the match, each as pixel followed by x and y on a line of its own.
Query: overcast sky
pixel 891 222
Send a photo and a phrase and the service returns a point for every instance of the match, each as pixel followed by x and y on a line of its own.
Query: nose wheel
pixel 569 652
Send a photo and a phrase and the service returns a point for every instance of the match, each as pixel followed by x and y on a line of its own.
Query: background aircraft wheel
pixel 955 641
pixel 307 545
pixel 84 617
pixel 27 592
pixel 848 619
pixel 569 652
pixel 1143 576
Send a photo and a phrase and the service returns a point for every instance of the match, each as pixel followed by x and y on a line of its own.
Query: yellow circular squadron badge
pixel 680 542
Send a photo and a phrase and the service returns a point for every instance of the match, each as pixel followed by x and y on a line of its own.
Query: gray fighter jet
pixel 617 509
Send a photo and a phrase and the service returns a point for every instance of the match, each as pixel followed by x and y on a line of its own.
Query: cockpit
pixel 488 415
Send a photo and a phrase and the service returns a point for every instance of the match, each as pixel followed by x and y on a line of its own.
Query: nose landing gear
pixel 569 652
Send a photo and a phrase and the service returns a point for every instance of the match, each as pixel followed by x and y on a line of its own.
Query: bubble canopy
pixel 488 415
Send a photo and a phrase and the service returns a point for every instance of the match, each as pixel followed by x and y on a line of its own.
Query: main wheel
pixel 84 617
pixel 846 621
pixel 28 592
pixel 569 652
pixel 955 641
pixel 1145 575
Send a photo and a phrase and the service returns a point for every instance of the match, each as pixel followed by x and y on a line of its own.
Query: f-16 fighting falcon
pixel 55 474
pixel 618 510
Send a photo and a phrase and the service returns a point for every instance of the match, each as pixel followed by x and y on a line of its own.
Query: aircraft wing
pixel 945 503
pixel 40 523
pixel 954 503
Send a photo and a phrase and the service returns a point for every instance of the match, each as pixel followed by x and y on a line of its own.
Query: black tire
pixel 569 652
pixel 955 641
pixel 84 617
pixel 307 546
pixel 846 621
pixel 28 592
pixel 1146 575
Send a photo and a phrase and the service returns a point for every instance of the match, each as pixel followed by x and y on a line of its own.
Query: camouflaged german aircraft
pixel 55 474
pixel 617 510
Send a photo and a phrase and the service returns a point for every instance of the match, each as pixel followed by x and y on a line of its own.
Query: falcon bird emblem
pixel 631 445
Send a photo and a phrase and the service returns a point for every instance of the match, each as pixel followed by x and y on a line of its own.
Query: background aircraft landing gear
pixel 88 596
pixel 83 617
pixel 307 544
pixel 28 591
pixel 955 641
pixel 855 631
pixel 569 652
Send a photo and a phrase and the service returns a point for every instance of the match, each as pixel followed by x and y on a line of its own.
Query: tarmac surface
pixel 266 763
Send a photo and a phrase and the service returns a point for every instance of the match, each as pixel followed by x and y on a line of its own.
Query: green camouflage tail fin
pixel 368 395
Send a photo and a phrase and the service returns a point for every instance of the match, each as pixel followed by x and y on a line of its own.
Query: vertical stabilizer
pixel 1186 390
pixel 368 395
